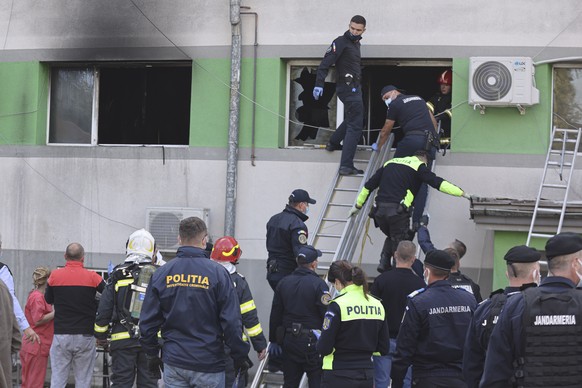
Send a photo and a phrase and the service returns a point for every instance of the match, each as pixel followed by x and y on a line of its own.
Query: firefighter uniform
pixel 353 329
pixel 193 301
pixel 397 182
pixel 344 52
pixel 299 306
pixel 286 234
pixel 432 333
pixel 440 107
pixel 114 319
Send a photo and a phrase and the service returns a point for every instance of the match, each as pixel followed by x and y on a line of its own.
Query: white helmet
pixel 141 242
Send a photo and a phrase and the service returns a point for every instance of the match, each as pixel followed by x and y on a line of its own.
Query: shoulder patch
pixel 302 237
pixel 326 298
pixel 327 320
pixel 328 50
pixel 414 293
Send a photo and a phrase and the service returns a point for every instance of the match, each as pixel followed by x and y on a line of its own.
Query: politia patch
pixel 326 299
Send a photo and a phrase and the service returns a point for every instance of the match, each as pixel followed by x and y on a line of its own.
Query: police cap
pixel 522 254
pixel 300 195
pixel 308 254
pixel 563 244
pixel 439 259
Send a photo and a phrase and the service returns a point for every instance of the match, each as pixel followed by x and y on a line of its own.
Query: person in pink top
pixel 40 315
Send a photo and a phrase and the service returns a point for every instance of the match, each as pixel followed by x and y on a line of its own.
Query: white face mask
pixel 388 101
pixel 306 209
pixel 425 275
pixel 579 275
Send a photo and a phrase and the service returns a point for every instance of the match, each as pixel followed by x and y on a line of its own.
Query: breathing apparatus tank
pixel 139 289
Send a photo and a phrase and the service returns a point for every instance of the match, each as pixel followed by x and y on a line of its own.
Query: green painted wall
pixel 23 103
pixel 210 103
pixel 500 130
pixel 504 241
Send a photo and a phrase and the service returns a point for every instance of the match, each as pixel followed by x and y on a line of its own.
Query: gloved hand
pixel 317 92
pixel 354 211
pixel 375 147
pixel 242 365
pixel 155 366
pixel 424 220
pixel 275 349
pixel 466 195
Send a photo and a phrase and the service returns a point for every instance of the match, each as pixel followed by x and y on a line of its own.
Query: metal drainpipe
pixel 255 47
pixel 233 127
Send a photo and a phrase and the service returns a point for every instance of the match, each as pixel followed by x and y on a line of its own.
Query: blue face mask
pixel 387 101
pixel 306 210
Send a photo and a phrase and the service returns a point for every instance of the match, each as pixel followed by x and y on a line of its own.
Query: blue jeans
pixel 175 377
pixel 383 366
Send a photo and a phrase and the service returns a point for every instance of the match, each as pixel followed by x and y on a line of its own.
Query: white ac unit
pixel 502 81
pixel 164 222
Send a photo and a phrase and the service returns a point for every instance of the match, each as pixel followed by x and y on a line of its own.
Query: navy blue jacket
pixel 301 297
pixel 432 334
pixel 411 113
pixel 286 234
pixel 477 341
pixel 392 288
pixel 193 301
pixel 506 340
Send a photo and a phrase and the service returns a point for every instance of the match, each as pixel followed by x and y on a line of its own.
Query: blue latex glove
pixel 317 92
pixel 375 147
pixel 275 349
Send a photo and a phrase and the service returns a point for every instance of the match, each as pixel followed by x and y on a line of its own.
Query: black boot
pixel 384 265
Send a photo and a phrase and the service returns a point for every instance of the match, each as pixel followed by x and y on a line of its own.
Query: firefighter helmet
pixel 141 242
pixel 446 77
pixel 226 249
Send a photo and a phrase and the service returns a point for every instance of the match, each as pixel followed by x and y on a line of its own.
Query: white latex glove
pixel 353 211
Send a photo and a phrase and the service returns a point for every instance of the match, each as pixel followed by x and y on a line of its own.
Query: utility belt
pixel 297 330
pixel 387 209
pixel 274 266
pixel 352 80
pixel 432 139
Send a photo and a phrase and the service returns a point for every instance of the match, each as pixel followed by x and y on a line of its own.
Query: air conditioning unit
pixel 164 222
pixel 502 81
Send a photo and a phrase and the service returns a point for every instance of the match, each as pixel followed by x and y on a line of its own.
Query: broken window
pixel 567 97
pixel 120 104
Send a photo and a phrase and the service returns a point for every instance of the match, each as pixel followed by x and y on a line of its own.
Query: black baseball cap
pixel 522 254
pixel 300 195
pixel 308 254
pixel 563 244
pixel 388 88
pixel 439 259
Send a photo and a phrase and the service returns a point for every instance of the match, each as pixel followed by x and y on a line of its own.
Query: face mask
pixel 354 38
pixel 579 275
pixel 387 102
pixel 306 210
pixel 425 275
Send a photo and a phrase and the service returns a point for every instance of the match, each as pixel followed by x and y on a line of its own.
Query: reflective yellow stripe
pixel 123 283
pixel 449 188
pixel 255 330
pixel 160 334
pixel 328 361
pixel 120 336
pixel 100 329
pixel 247 306
pixel 362 197
pixel 408 199
pixel 245 338
pixel 430 107
pixel 449 113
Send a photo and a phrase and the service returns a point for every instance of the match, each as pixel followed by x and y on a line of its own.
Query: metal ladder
pixel 562 152
pixel 335 235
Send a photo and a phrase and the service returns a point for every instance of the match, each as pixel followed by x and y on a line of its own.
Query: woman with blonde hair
pixel 353 328
pixel 40 315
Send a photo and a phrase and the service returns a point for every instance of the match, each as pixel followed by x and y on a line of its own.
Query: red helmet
pixel 446 77
pixel 226 249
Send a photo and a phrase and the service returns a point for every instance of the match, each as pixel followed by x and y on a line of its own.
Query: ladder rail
pixel 570 175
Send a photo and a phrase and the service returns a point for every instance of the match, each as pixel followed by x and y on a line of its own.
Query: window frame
pixel 96 67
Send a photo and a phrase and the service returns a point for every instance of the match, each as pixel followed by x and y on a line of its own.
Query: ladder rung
pixel 341 204
pixel 567 130
pixel 361 161
pixel 555 186
pixel 328 235
pixel 566 164
pixel 543 235
pixel 335 219
pixel 327 251
pixel 347 190
pixel 549 210
pixel 559 152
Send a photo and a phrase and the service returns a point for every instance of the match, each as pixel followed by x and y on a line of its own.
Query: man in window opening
pixel 344 52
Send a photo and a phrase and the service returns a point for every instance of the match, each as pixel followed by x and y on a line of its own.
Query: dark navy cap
pixel 563 244
pixel 522 254
pixel 439 260
pixel 300 195
pixel 388 88
pixel 308 254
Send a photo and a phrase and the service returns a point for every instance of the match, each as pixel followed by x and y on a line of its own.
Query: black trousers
pixel 350 130
pixel 395 226
pixel 127 364
pixel 439 382
pixel 348 378
pixel 301 357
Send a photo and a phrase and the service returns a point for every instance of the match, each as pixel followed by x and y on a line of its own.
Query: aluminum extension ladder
pixel 553 193
pixel 335 235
